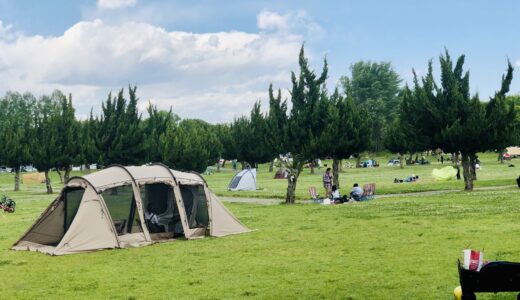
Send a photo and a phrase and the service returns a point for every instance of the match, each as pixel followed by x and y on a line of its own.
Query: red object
pixel 474 260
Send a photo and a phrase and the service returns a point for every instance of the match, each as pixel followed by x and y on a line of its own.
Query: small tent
pixel 513 151
pixel 121 207
pixel 446 173
pixel 244 180
pixel 281 173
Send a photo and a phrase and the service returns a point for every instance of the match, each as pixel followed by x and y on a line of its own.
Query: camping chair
pixel 496 276
pixel 369 191
pixel 314 194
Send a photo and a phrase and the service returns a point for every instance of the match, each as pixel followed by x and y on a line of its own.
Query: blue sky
pixel 213 59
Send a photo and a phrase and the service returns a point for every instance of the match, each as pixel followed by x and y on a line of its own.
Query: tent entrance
pixel 161 212
pixel 121 204
pixel 196 205
pixel 72 199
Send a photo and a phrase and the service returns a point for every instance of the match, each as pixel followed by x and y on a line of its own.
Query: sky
pixel 213 59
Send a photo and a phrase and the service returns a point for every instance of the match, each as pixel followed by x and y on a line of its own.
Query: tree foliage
pixel 375 87
pixel 16 111
pixel 347 131
pixel 155 126
pixel 307 119
pixel 120 138
pixel 192 145
pixel 449 118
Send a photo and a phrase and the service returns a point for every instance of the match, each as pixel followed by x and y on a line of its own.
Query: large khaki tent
pixel 122 207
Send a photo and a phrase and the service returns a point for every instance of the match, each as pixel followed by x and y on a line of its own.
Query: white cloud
pixel 212 76
pixel 299 21
pixel 113 4
pixel 517 63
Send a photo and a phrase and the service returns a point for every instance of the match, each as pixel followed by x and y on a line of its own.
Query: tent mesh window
pixel 196 205
pixel 234 182
pixel 120 202
pixel 72 199
pixel 161 212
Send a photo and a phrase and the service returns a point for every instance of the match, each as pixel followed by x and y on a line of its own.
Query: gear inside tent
pixel 244 180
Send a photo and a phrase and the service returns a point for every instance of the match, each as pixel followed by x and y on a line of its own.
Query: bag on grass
pixel 473 259
pixel 7 204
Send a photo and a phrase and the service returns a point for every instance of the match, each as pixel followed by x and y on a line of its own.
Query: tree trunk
pixel 468 177
pixel 358 161
pixel 292 179
pixel 473 162
pixel 87 168
pixel 67 174
pixel 271 166
pixel 59 174
pixel 243 163
pixel 335 172
pixel 223 163
pixel 409 159
pixel 48 182
pixel 311 165
pixel 401 165
pixel 455 161
pixel 17 179
pixel 218 166
pixel 501 156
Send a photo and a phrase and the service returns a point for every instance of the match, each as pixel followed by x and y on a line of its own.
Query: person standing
pixel 327 183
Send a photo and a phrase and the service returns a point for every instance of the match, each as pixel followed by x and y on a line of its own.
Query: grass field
pixel 400 247
pixel 493 173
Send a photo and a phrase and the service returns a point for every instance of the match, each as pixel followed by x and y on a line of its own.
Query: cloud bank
pixel 213 76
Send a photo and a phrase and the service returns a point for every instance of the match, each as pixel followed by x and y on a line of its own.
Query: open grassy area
pixel 493 173
pixel 402 247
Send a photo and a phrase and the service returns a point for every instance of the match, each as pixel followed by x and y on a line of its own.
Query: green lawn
pixel 401 247
pixel 492 174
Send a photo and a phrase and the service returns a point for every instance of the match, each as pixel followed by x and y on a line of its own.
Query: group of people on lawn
pixel 332 192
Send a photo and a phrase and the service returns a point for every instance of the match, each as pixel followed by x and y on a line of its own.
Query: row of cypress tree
pixel 312 123
pixel 427 116
pixel 45 133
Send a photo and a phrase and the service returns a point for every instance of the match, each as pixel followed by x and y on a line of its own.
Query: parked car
pixel 4 169
pixel 393 162
pixel 28 169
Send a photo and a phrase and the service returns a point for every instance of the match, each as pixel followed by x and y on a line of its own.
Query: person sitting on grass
pixel 356 192
pixel 336 196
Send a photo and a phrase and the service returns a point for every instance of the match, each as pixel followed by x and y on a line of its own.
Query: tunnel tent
pixel 121 207
pixel 244 180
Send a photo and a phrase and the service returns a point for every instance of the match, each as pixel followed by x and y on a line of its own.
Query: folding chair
pixel 314 194
pixel 369 190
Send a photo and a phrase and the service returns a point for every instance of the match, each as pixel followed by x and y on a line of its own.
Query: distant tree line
pixel 45 133
pixel 367 111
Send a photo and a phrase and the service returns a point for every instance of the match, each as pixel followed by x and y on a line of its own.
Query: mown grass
pixel 402 247
pixel 493 173
pixel 399 247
